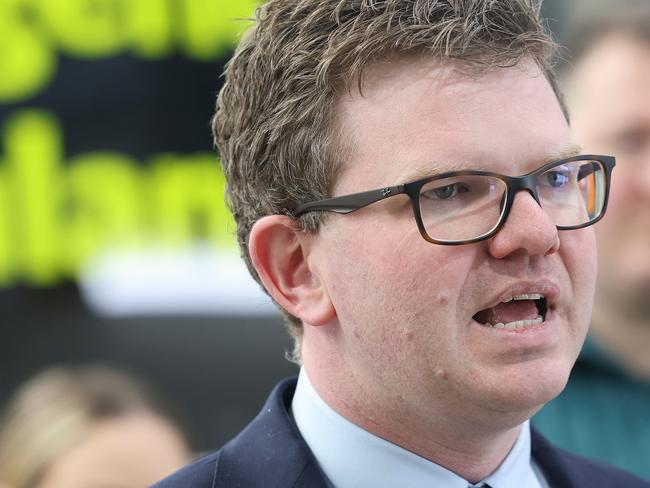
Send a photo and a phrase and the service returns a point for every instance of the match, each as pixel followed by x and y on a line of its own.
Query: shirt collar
pixel 365 459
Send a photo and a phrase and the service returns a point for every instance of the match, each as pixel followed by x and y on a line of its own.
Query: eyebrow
pixel 435 169
pixel 569 151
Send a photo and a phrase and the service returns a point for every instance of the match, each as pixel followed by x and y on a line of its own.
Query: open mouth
pixel 516 312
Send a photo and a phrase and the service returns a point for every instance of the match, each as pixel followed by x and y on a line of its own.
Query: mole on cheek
pixel 442 299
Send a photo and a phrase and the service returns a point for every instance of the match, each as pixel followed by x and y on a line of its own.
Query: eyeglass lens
pixel 469 206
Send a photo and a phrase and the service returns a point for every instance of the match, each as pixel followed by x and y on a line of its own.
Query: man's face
pixel 405 307
pixel 610 104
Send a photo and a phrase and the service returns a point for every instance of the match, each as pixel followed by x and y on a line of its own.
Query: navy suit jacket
pixel 271 453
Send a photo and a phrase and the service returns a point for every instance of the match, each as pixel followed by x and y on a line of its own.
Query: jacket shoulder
pixel 598 474
pixel 199 474
pixel 268 453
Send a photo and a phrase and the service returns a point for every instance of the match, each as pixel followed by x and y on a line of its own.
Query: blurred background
pixel 115 244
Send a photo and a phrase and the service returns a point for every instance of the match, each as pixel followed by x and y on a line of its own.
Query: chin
pixel 528 390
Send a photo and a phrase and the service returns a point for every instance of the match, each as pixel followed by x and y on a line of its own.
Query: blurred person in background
pixel 88 427
pixel 605 410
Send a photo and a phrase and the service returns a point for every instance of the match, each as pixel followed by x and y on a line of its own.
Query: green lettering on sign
pixel 149 27
pixel 213 27
pixel 85 28
pixel 55 217
pixel 188 200
pixel 27 63
pixel 5 233
pixel 33 144
pixel 104 207
pixel 32 31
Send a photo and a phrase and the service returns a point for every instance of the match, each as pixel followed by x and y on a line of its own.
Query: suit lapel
pixel 270 452
pixel 552 461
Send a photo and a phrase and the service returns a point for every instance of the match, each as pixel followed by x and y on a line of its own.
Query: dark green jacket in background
pixel 603 413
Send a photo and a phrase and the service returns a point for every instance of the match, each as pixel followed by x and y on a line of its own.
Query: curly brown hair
pixel 275 125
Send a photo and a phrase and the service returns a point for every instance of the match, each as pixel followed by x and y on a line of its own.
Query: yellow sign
pixel 32 32
pixel 55 214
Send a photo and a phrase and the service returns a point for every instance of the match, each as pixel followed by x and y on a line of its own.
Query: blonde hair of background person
pixel 86 427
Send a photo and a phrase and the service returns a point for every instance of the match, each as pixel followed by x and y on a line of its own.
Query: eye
pixel 445 192
pixel 556 179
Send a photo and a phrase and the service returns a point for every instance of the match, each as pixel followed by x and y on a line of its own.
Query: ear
pixel 279 251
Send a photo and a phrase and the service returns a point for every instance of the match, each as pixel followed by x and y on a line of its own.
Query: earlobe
pixel 279 251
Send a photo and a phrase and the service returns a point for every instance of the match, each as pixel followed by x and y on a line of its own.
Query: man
pixel 608 91
pixel 435 302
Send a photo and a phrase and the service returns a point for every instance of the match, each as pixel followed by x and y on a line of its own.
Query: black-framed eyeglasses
pixel 461 207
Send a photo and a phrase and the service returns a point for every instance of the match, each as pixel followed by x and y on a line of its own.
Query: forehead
pixel 414 113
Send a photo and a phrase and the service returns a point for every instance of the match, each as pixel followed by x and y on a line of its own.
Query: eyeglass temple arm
pixel 586 170
pixel 349 203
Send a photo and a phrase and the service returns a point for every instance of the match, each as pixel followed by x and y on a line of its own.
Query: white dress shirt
pixel 352 457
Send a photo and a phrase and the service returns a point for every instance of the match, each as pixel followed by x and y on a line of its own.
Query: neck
pixel 473 457
pixel 471 446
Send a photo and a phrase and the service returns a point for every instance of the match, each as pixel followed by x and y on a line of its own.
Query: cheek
pixel 371 284
pixel 396 294
pixel 403 275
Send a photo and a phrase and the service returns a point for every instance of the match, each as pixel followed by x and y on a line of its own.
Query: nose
pixel 527 228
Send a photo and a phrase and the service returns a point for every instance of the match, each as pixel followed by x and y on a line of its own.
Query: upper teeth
pixel 529 296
